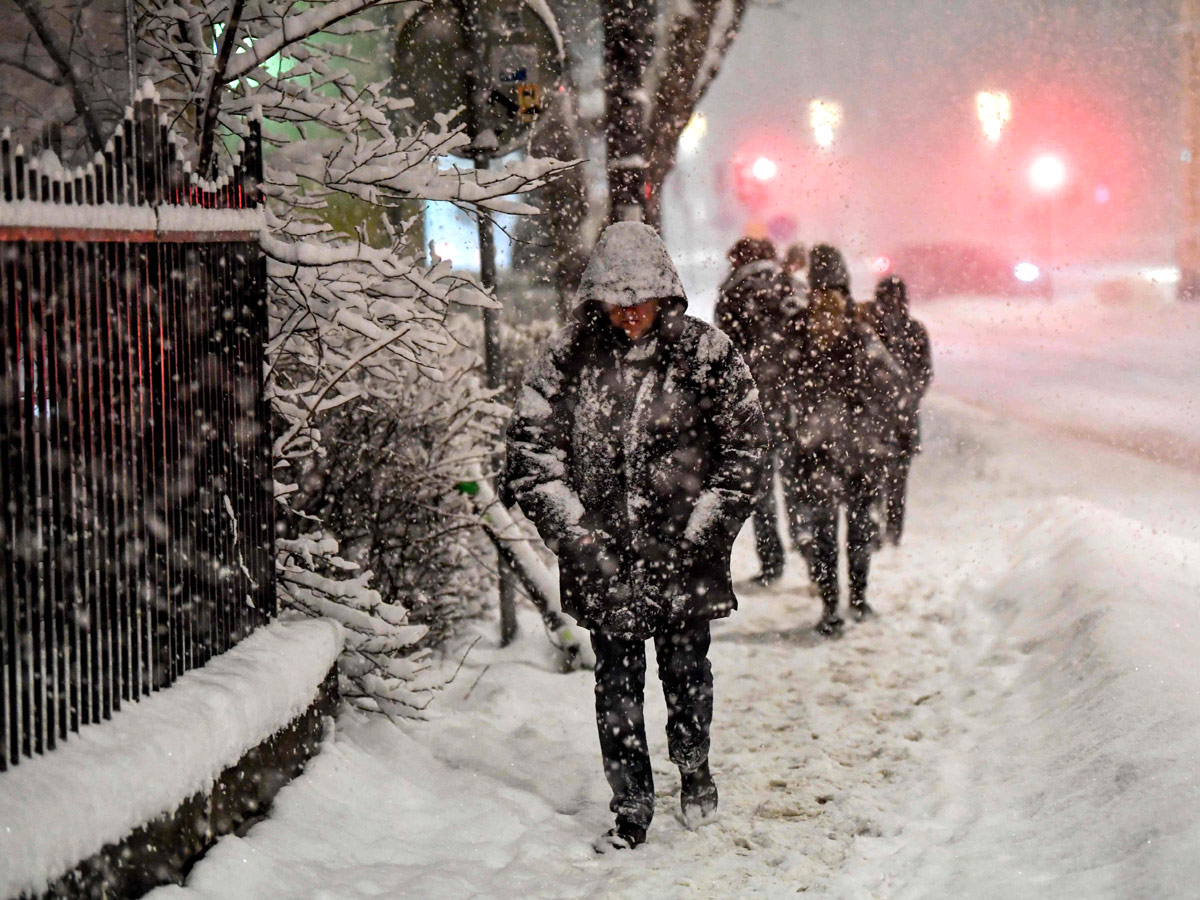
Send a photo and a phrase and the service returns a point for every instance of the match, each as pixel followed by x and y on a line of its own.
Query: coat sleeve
pixel 923 358
pixel 885 376
pixel 738 474
pixel 537 448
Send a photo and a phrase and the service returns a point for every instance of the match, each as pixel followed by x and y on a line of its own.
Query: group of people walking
pixel 840 384
pixel 642 439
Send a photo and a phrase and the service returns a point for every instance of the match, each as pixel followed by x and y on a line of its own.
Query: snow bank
pixel 1084 776
pixel 61 808
pixel 161 219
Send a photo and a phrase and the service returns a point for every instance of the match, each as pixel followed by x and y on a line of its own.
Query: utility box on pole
pixel 494 59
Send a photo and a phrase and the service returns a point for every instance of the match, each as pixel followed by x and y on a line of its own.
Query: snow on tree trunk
pixel 628 43
pixel 699 35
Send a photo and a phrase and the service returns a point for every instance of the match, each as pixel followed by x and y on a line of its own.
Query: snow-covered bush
pixel 359 323
pixel 385 484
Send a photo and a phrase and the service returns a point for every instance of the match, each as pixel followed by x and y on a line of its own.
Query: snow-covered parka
pixel 845 393
pixel 758 308
pixel 654 450
pixel 907 340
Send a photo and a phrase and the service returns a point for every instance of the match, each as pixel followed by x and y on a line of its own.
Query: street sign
pixel 498 75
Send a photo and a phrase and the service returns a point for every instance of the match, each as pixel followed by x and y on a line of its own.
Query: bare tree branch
pixel 697 41
pixel 60 57
pixel 50 77
pixel 212 103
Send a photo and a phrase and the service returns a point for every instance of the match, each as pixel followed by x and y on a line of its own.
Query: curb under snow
pixel 101 784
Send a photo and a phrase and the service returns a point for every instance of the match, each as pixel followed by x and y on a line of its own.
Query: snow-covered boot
pixel 861 610
pixel 830 624
pixel 697 796
pixel 624 836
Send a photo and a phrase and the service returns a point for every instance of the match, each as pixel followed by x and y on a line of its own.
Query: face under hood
pixel 630 265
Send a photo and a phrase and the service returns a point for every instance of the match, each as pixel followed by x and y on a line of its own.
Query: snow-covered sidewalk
pixel 857 768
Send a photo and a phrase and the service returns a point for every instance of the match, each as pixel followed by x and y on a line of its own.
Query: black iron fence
pixel 137 521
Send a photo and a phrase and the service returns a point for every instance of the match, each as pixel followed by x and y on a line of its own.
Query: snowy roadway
pixel 1023 720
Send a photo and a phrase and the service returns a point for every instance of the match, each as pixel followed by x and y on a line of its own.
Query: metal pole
pixel 1188 242
pixel 477 80
pixel 493 366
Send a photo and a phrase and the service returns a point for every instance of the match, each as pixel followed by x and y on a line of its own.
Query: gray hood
pixel 630 265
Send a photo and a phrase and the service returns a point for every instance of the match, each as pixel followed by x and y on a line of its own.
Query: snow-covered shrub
pixel 386 484
pixel 358 322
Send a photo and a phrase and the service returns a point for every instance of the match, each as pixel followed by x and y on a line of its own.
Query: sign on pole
pixel 495 59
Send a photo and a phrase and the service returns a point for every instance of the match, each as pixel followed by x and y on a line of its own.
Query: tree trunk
pixel 628 42
pixel 697 41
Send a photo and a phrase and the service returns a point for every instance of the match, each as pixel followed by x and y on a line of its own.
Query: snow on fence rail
pixel 136 526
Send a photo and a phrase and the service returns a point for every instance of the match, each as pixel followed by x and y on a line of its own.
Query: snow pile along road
pixel 1082 780
pixel 1122 374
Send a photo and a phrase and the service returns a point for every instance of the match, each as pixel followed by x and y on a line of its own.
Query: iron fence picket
pixel 136 475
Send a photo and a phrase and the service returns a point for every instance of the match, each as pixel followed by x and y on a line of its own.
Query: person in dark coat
pixel 843 427
pixel 908 342
pixel 757 309
pixel 795 264
pixel 636 448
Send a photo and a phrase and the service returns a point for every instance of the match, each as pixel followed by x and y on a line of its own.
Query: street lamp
pixel 693 134
pixel 994 109
pixel 1047 173
pixel 1047 176
pixel 824 116
pixel 764 168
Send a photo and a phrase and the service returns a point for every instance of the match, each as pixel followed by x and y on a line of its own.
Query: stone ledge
pixel 164 850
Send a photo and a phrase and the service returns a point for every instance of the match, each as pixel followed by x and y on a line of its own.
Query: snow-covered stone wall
pixel 61 808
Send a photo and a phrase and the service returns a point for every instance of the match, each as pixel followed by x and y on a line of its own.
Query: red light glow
pixel 764 168
pixel 1048 173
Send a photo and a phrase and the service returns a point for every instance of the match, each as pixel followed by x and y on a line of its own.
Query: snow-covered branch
pixel 366 367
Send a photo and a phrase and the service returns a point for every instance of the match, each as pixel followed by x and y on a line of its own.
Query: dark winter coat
pixel 653 448
pixel 907 340
pixel 844 397
pixel 759 310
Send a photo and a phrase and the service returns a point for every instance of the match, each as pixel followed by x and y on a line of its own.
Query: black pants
pixel 895 489
pixel 686 677
pixel 766 528
pixel 860 495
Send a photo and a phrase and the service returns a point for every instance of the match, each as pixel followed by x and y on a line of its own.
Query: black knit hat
pixel 827 268
pixel 891 293
pixel 749 249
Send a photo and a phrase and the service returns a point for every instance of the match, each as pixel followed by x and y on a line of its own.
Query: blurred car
pixel 947 269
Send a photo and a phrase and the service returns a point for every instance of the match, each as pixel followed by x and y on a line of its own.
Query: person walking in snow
pixel 757 310
pixel 795 264
pixel 843 428
pixel 636 448
pixel 908 342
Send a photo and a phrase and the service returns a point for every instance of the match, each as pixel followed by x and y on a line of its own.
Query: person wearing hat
pixel 795 264
pixel 908 342
pixel 843 432
pixel 636 448
pixel 757 309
